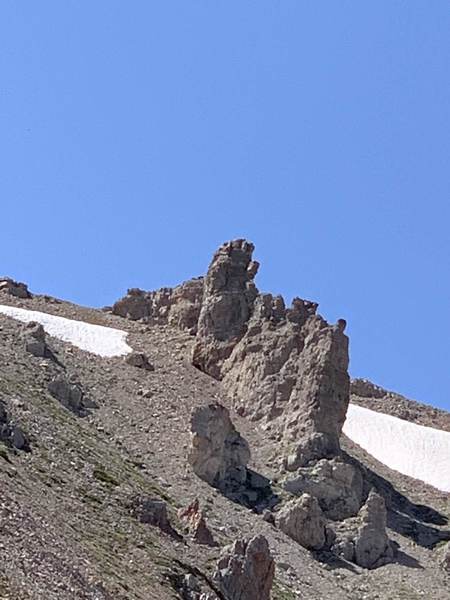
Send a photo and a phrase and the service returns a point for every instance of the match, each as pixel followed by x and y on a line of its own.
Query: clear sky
pixel 138 136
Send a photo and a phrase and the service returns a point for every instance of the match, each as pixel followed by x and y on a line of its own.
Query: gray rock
pixel 70 395
pixel 154 512
pixel 303 520
pixel 246 570
pixel 337 485
pixel 218 453
pixel 139 360
pixel 363 539
pixel 10 433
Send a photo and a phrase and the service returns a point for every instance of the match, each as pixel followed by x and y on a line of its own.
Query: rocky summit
pixel 204 458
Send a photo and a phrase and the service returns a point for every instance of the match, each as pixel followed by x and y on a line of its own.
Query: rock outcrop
pixel 179 306
pixel 228 297
pixel 218 453
pixel 14 288
pixel 302 520
pixel 274 362
pixel 246 570
pixel 363 539
pixel 195 521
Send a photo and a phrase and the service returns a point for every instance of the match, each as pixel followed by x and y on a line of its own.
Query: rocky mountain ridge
pixel 168 456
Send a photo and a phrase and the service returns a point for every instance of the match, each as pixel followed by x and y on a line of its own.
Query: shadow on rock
pixel 404 516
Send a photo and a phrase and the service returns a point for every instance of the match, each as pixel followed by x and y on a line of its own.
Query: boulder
pixel 218 454
pixel 35 342
pixel 337 485
pixel 154 512
pixel 303 520
pixel 246 570
pixel 70 395
pixel 139 360
pixel 363 539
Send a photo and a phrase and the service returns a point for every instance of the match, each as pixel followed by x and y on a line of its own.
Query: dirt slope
pixel 66 528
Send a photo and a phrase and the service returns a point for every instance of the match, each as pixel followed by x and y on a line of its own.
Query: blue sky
pixel 138 136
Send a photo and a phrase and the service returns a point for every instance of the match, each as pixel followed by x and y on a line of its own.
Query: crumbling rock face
pixel 195 522
pixel 273 361
pixel 218 454
pixel 14 288
pixel 363 539
pixel 246 570
pixel 10 433
pixel 228 297
pixel 337 485
pixel 70 395
pixel 154 512
pixel 302 520
pixel 179 306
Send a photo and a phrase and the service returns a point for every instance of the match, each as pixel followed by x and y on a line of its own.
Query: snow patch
pixel 414 450
pixel 104 341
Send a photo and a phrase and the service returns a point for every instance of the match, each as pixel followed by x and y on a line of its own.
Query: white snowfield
pixel 414 450
pixel 104 341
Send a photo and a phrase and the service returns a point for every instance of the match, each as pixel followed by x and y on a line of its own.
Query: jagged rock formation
pixel 179 306
pixel 246 570
pixel 219 454
pixel 302 520
pixel 195 522
pixel 273 361
pixel 363 539
pixel 229 293
pixel 14 288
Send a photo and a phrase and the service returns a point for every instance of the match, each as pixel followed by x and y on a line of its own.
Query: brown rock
pixel 195 521
pixel 246 570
